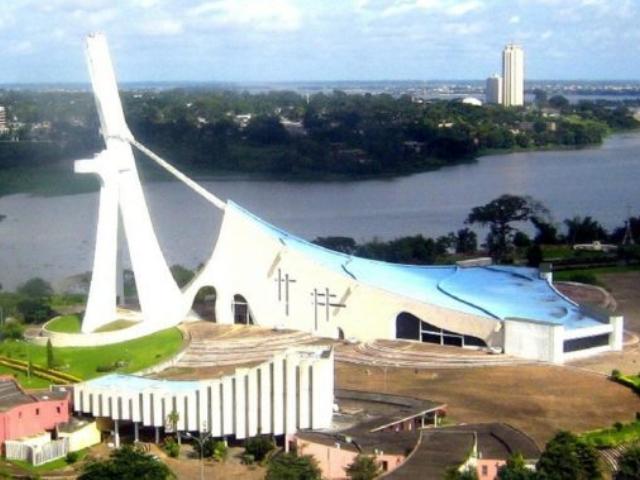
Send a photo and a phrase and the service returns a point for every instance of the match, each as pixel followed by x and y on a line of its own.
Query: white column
pixel 116 433
pixel 227 406
pixel 616 336
pixel 322 390
pixel 136 432
pixel 158 419
pixel 290 389
pixel 241 403
pixel 104 404
pixel 278 395
pixel 264 371
pixel 304 412
pixel 136 413
pixel 101 301
pixel 252 402
pixel 216 417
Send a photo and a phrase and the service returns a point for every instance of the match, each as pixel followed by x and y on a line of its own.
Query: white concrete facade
pixel 249 402
pixel 513 76
pixel 493 90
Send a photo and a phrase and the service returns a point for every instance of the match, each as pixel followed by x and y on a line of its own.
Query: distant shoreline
pixel 60 180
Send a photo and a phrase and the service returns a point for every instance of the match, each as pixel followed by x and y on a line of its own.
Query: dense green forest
pixel 284 133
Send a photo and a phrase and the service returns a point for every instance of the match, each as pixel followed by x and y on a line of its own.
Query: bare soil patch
pixel 536 399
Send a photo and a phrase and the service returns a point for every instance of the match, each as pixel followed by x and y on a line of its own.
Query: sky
pixel 41 41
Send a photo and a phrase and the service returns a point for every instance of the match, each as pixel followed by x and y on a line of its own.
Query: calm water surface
pixel 54 237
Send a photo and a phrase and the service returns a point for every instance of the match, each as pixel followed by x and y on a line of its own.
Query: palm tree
pixel 172 419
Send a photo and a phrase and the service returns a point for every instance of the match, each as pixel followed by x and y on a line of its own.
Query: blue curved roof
pixel 117 381
pixel 498 292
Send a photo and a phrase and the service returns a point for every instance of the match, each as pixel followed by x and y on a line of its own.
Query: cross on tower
pixel 323 299
pixel 286 280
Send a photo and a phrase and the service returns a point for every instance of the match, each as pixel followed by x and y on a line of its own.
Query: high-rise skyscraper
pixel 512 76
pixel 493 91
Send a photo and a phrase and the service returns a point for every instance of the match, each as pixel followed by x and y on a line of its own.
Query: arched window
pixel 241 311
pixel 204 303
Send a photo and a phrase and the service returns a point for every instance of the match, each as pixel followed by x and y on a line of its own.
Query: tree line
pixel 283 133
pixel 504 217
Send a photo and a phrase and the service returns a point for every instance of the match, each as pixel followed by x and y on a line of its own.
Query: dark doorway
pixel 407 326
pixel 204 303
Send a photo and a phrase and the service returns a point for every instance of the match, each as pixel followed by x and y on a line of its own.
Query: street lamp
pixel 203 436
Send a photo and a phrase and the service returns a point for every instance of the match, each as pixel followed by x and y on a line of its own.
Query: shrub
pixel 72 457
pixel 259 447
pixel 106 367
pixel 247 459
pixel 290 465
pixel 34 310
pixel 171 447
pixel 12 330
pixel 50 360
pixel 215 449
pixel 618 426
pixel 615 373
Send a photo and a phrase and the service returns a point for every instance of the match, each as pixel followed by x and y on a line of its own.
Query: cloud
pixel 454 8
pixel 161 27
pixel 274 15
pixel 514 19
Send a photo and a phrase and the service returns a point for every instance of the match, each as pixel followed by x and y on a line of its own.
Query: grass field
pixel 46 467
pixel 567 275
pixel 83 362
pixel 116 325
pixel 620 434
pixel 23 379
pixel 65 324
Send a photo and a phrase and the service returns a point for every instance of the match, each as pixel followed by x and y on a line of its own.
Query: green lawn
pixel 47 467
pixel 116 325
pixel 82 362
pixel 557 251
pixel 612 437
pixel 566 275
pixel 65 324
pixel 21 377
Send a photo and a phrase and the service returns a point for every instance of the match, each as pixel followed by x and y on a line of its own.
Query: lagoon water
pixel 53 237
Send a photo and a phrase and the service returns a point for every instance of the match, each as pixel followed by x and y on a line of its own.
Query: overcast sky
pixel 292 40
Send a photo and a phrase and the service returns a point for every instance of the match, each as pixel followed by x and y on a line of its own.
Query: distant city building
pixel 493 92
pixel 3 120
pixel 476 102
pixel 512 76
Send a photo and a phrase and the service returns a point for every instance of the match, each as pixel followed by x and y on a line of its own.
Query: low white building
pixel 292 391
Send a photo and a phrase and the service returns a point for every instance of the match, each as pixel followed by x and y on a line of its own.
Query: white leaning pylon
pixel 159 296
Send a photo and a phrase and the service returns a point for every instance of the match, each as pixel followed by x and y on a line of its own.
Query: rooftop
pixel 443 448
pixel 498 292
pixel 362 414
